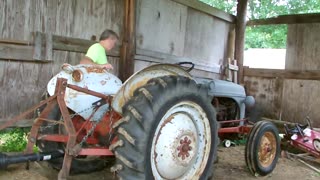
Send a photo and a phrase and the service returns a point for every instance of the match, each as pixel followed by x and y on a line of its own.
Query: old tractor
pixel 162 123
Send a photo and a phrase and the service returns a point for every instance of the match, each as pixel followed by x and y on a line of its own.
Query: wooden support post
pixel 235 72
pixel 231 39
pixel 126 64
pixel 240 35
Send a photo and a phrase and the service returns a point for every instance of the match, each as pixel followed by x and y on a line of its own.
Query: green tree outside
pixel 267 36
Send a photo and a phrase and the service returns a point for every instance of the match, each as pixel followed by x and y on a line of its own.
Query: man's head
pixel 108 39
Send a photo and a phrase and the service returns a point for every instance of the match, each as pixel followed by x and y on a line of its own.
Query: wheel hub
pixel 267 149
pixel 184 148
pixel 181 143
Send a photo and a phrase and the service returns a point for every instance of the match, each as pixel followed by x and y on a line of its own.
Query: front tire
pixel 262 148
pixel 168 131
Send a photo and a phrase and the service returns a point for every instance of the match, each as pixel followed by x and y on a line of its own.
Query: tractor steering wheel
pixel 187 63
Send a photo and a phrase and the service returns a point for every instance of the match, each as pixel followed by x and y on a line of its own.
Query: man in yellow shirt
pixel 96 53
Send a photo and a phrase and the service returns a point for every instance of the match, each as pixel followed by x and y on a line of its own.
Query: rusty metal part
pixel 184 148
pixel 267 149
pixel 87 91
pixel 64 172
pixel 68 68
pixel 35 127
pixel 95 152
pixel 77 75
pixel 95 69
pixel 238 129
pixel 26 113
pixel 141 78
pixel 64 138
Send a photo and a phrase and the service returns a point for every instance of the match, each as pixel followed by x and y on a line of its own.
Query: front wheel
pixel 262 148
pixel 168 131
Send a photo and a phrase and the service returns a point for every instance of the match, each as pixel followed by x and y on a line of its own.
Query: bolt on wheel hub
pixel 184 148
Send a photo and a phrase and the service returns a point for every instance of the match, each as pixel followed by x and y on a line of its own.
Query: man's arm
pixel 87 60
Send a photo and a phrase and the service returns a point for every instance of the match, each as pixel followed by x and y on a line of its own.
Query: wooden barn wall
pixel 167 28
pixel 301 97
pixel 21 82
pixel 295 98
pixel 267 93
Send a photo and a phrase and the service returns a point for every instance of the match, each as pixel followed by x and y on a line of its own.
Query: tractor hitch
pixel 6 160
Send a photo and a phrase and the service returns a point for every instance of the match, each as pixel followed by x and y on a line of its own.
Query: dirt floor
pixel 231 166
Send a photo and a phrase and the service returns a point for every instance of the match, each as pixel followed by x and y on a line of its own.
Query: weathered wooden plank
pixel 303 49
pixel 206 38
pixel 202 7
pixel 301 99
pixel 38 46
pixel 197 72
pixel 126 64
pixel 287 19
pixel 63 43
pixel 161 26
pixel 268 95
pixel 16 42
pixel 114 61
pixel 158 57
pixel 17 53
pixel 21 123
pixel 285 74
pixel 231 42
pixel 240 35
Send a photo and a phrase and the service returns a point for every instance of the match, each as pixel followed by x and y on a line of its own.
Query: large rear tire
pixel 262 148
pixel 168 131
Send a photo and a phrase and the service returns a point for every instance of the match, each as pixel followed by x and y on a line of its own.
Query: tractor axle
pixel 6 160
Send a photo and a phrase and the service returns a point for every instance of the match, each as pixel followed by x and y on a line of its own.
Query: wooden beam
pixel 231 42
pixel 240 35
pixel 17 53
pixel 202 7
pixel 42 48
pixel 285 74
pixel 21 123
pixel 16 42
pixel 126 64
pixel 287 19
pixel 63 43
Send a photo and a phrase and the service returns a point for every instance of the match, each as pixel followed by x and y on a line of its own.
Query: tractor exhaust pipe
pixel 6 160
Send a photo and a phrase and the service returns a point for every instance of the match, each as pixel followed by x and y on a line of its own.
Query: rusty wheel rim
pixel 267 149
pixel 182 143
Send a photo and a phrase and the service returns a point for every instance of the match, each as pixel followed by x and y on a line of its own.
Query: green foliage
pixel 229 6
pixel 271 36
pixel 14 140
